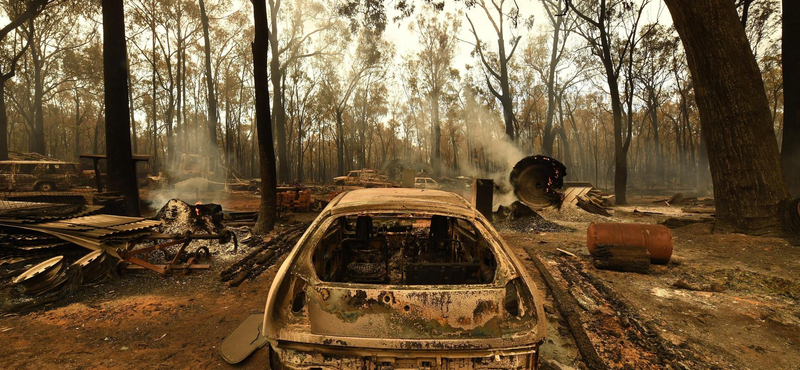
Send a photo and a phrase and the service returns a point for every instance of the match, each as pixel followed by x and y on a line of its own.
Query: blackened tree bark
pixel 735 117
pixel 266 148
pixel 121 169
pixel 790 154
pixel 703 174
pixel 37 143
pixel 212 98
pixel 134 136
pixel 277 87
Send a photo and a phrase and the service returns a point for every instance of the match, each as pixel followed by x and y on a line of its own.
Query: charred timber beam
pixel 569 308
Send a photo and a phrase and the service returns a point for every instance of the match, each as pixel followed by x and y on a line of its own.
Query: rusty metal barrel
pixel 656 238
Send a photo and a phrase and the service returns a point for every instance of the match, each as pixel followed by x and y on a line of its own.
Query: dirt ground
pixel 748 318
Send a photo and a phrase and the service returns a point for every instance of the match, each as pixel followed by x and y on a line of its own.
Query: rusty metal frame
pixel 128 254
pixel 291 334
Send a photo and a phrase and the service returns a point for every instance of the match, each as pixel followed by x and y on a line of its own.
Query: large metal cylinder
pixel 535 180
pixel 656 238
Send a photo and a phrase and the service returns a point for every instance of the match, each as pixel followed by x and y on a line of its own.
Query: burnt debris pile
pixel 49 250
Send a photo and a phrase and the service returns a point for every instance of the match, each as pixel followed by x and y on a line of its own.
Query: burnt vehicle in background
pixel 366 178
pixel 425 183
pixel 398 279
pixel 41 176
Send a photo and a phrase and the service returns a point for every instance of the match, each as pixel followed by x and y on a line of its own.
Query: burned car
pixel 38 175
pixel 398 279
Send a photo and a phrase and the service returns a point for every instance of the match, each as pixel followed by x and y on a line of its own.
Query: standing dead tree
pixel 213 121
pixel 498 69
pixel 5 76
pixel 438 37
pixel 285 55
pixel 614 19
pixel 562 27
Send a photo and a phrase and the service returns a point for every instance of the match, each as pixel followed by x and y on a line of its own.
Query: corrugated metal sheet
pixel 98 226
pixel 32 212
pixel 96 232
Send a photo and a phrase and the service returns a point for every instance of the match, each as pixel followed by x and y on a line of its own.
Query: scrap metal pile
pixel 53 238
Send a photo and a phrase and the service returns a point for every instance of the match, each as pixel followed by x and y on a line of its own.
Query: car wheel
pixel 340 182
pixel 45 186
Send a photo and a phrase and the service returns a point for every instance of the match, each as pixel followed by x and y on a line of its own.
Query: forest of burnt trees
pixel 604 86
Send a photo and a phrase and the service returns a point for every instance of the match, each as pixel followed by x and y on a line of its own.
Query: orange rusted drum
pixel 656 238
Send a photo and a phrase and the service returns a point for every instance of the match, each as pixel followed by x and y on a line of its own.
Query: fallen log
pixel 675 222
pixel 710 210
pixel 677 198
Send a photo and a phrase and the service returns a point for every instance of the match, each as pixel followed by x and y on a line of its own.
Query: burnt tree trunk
pixel 505 92
pixel 134 136
pixel 436 134
pixel 212 98
pixel 734 115
pixel 121 172
pixel 266 149
pixel 278 112
pixel 153 131
pixel 3 120
pixel 549 133
pixel 703 174
pixel 791 95
pixel 37 135
pixel 339 143
pixel 178 90
pixel 78 121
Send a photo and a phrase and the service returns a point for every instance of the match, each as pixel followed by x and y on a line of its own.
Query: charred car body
pixel 366 178
pixel 402 279
pixel 38 175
